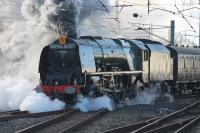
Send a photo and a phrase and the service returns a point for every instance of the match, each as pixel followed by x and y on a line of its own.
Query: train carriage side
pixel 186 65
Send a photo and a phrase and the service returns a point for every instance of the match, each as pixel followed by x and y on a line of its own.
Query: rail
pixel 85 121
pixel 46 123
pixel 25 114
pixel 154 125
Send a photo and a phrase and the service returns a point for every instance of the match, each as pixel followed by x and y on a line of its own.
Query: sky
pixel 161 13
pixel 10 11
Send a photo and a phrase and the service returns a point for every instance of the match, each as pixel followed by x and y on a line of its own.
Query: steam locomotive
pixel 97 66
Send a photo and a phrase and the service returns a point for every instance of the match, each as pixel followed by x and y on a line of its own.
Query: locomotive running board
pixel 116 73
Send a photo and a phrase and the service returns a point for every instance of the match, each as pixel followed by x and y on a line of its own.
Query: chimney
pixel 172 32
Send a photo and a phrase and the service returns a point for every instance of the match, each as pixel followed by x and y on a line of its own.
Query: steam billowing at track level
pixel 40 27
pixel 43 19
pixel 19 94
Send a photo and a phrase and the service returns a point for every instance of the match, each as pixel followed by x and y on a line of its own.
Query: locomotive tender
pixel 96 66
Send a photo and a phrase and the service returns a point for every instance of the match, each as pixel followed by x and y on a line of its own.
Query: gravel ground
pixel 118 117
pixel 73 119
pixel 15 125
pixel 132 114
pixel 196 129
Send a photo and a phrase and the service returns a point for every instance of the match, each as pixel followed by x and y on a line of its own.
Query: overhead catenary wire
pixel 104 6
pixel 151 33
pixel 129 3
pixel 170 11
pixel 155 15
pixel 185 18
pixel 191 8
pixel 164 26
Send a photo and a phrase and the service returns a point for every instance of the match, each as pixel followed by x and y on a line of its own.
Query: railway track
pixel 11 115
pixel 65 123
pixel 179 121
pixel 14 112
pixel 184 96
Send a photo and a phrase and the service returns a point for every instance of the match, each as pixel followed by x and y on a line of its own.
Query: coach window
pixel 183 62
pixel 145 55
pixel 193 58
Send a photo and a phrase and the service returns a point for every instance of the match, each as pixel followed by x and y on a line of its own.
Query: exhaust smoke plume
pixel 22 43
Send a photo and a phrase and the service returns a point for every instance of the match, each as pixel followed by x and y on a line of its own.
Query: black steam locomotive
pixel 96 66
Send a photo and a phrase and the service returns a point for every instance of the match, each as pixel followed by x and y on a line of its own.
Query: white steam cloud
pixel 93 104
pixel 39 102
pixel 22 43
pixel 149 96
pixel 12 93
pixel 145 97
pixel 19 94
